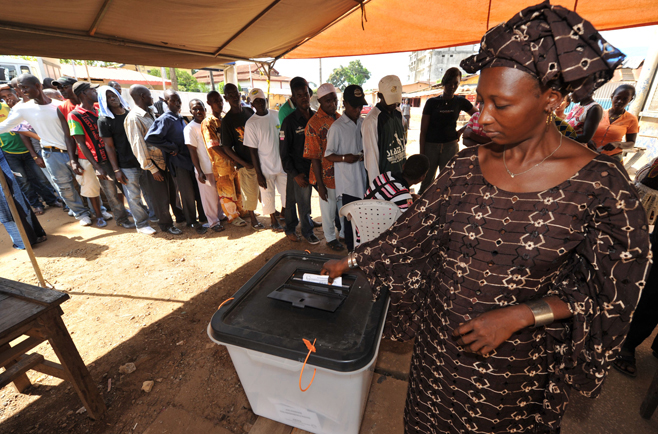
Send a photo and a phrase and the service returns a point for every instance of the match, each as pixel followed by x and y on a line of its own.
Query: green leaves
pixel 353 73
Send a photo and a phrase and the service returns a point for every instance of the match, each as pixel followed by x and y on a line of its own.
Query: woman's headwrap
pixel 551 43
pixel 103 109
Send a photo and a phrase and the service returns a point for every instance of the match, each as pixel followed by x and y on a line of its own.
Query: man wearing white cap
pixel 261 134
pixel 322 170
pixel 384 142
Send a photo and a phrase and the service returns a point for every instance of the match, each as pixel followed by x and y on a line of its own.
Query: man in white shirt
pixel 42 114
pixel 261 134
pixel 345 150
pixel 203 166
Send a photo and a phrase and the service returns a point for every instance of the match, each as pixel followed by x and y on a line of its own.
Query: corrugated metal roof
pixel 632 62
pixel 605 92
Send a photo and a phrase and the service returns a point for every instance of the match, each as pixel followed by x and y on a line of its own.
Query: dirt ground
pixel 142 299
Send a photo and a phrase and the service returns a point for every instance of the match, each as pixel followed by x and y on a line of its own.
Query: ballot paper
pixel 317 278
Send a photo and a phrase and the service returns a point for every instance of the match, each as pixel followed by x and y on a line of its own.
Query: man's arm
pixel 251 141
pixel 70 144
pixel 14 119
pixel 227 147
pixel 28 144
pixel 331 153
pixel 370 147
pixel 138 145
pixel 157 136
pixel 286 138
pixel 192 142
pixel 316 167
pixel 114 160
pixel 255 159
pixel 100 173
pixel 197 165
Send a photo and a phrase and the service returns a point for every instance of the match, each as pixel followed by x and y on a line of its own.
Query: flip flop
pixel 217 228
pixel 623 362
pixel 258 226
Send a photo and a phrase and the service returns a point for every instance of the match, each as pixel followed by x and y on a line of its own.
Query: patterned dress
pixel 466 247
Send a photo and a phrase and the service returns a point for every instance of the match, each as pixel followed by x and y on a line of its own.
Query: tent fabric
pixel 169 33
pixel 414 25
pixel 207 33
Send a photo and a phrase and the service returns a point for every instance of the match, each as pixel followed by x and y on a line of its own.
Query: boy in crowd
pixel 203 166
pixel 226 176
pixel 151 159
pixel 345 150
pixel 92 164
pixel 113 110
pixel 233 146
pixel 166 134
pixel 384 143
pixel 291 149
pixel 322 170
pixel 261 134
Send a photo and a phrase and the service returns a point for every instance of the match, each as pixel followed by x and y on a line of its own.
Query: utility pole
pixel 163 74
pixel 320 71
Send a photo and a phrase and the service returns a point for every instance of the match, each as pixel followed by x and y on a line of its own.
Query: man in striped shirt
pixel 394 187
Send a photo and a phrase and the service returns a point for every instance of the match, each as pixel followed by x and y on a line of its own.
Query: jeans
pixel 439 155
pixel 109 186
pixel 298 199
pixel 133 192
pixel 59 166
pixel 31 180
pixel 328 210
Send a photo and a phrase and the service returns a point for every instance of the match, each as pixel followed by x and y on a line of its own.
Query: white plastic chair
pixel 371 218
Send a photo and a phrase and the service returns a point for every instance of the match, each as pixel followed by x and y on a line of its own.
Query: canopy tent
pixel 414 25
pixel 206 33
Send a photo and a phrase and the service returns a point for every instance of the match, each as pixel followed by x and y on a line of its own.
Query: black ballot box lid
pixel 275 310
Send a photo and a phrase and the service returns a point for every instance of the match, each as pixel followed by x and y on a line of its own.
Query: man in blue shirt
pixel 166 134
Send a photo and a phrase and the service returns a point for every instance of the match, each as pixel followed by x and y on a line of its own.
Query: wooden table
pixel 34 312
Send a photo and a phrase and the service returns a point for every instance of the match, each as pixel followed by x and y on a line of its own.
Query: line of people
pixel 90 148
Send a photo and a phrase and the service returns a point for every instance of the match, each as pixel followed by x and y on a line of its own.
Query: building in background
pixel 430 65
pixel 250 76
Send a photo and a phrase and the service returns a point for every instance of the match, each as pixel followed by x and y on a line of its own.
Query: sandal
pixel 625 363
pixel 258 226
pixel 276 227
pixel 217 228
pixel 239 222
pixel 38 211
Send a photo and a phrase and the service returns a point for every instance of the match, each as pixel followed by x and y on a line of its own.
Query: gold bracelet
pixel 542 312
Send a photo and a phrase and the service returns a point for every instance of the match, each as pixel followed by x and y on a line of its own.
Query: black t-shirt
pixel 233 132
pixel 443 117
pixel 113 128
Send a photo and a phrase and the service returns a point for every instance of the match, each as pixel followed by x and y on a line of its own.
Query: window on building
pixel 25 69
pixel 451 55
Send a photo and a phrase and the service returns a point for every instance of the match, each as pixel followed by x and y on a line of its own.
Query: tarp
pixel 414 25
pixel 206 33
pixel 183 34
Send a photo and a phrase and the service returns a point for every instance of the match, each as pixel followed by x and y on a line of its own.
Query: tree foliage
pixel 353 73
pixel 186 81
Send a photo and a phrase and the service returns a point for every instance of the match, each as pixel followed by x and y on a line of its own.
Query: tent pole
pixel 88 74
pixel 21 229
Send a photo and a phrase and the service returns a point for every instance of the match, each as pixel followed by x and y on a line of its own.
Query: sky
pixel 632 42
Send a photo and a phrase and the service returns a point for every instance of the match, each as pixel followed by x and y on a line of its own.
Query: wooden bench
pixel 35 313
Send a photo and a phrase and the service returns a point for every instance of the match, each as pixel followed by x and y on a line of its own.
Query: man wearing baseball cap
pixel 384 144
pixel 65 86
pixel 345 150
pixel 261 135
pixel 92 165
pixel 322 170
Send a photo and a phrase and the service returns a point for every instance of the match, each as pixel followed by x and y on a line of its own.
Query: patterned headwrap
pixel 103 108
pixel 551 43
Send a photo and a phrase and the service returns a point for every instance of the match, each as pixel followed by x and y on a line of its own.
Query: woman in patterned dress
pixel 518 270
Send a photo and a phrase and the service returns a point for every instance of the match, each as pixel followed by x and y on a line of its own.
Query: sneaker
pixel 174 230
pixel 101 223
pixel 106 215
pixel 147 230
pixel 72 214
pixel 335 245
pixel 198 227
pixel 85 221
pixel 127 224
pixel 294 237
pixel 312 239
